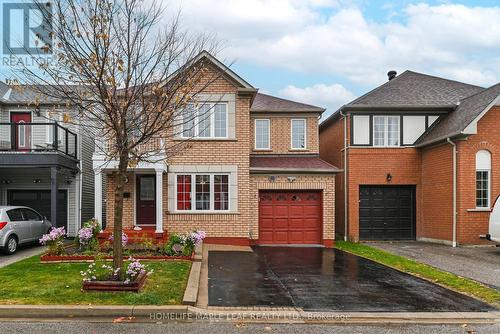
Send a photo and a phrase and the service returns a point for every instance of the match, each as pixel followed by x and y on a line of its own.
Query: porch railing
pixel 37 137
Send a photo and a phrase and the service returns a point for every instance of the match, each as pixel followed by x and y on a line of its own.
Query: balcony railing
pixel 37 137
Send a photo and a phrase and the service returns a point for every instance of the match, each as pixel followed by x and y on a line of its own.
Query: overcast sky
pixel 326 52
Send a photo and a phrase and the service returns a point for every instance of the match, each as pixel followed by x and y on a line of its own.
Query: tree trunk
pixel 121 178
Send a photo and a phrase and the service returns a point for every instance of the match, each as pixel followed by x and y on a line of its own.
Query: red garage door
pixel 290 217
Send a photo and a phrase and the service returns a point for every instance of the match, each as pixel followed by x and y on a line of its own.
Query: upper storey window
pixel 262 134
pixel 389 130
pixel 298 129
pixel 386 131
pixel 207 120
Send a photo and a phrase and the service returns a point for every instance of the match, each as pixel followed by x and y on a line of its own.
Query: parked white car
pixel 494 228
pixel 20 225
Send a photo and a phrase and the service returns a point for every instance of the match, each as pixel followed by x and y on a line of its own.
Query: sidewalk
pixel 180 313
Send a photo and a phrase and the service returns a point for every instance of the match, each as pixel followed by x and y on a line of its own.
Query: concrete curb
pixel 193 284
pixel 149 313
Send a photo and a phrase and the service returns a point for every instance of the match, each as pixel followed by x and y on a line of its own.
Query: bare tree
pixel 127 76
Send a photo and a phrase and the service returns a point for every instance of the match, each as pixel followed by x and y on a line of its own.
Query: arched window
pixel 483 179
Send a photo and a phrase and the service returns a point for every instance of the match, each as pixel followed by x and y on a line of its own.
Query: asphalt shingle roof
pixel 268 103
pixel 417 89
pixel 456 121
pixel 291 163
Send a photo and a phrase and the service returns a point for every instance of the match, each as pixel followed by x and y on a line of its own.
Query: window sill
pixel 262 150
pixel 298 150
pixel 479 210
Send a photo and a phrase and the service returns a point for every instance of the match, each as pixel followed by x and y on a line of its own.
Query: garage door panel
pixel 387 212
pixel 266 236
pixel 311 223
pixel 266 223
pixel 296 223
pixel 266 211
pixel 280 236
pixel 290 218
pixel 296 237
pixel 281 223
pixel 312 210
pixel 296 210
pixel 280 211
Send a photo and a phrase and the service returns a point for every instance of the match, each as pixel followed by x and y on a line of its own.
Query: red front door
pixel 146 200
pixel 23 132
pixel 290 217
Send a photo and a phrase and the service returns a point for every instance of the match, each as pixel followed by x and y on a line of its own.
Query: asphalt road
pixel 222 328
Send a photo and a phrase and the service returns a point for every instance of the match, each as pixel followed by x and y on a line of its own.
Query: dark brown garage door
pixel 387 212
pixel 290 217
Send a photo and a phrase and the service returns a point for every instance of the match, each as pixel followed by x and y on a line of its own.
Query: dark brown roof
pixel 268 103
pixel 417 89
pixel 290 163
pixel 456 121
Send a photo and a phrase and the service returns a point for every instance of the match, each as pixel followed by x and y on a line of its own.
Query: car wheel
pixel 11 246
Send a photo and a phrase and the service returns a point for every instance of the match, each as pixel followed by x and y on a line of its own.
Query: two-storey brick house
pixel 419 159
pixel 251 174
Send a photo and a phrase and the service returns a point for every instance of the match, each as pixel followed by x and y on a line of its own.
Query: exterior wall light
pixel 389 177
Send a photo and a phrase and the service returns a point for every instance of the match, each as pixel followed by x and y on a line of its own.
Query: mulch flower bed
pixel 134 286
pixel 73 255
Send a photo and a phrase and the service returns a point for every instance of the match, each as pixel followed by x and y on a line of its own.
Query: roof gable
pixel 219 65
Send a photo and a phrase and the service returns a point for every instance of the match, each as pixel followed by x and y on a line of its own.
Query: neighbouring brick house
pixel 253 176
pixel 420 160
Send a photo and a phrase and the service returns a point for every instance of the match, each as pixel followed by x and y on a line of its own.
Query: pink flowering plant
pixel 54 240
pixel 87 236
pixel 183 244
pixel 124 238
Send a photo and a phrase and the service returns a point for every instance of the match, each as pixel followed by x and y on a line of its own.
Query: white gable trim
pixel 471 129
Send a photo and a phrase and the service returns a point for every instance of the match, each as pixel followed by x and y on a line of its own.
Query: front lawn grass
pixel 31 282
pixel 444 278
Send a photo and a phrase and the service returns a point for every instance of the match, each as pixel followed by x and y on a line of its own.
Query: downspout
pixel 454 241
pixel 345 176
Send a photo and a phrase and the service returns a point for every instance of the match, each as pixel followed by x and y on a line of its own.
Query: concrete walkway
pixel 22 253
pixel 478 263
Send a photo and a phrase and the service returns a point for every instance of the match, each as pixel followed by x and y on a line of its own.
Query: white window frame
pixel 212 193
pixel 196 121
pixel 386 130
pixel 268 121
pixel 488 171
pixel 305 133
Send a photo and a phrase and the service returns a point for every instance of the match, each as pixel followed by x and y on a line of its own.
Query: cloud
pixel 330 97
pixel 457 41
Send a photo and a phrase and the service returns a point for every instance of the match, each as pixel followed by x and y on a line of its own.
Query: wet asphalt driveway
pixel 319 279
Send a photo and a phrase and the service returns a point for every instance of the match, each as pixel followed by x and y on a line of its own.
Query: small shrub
pixel 183 244
pixel 54 240
pixel 87 236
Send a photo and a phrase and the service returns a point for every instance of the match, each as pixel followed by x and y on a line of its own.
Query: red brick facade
pixel 430 169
